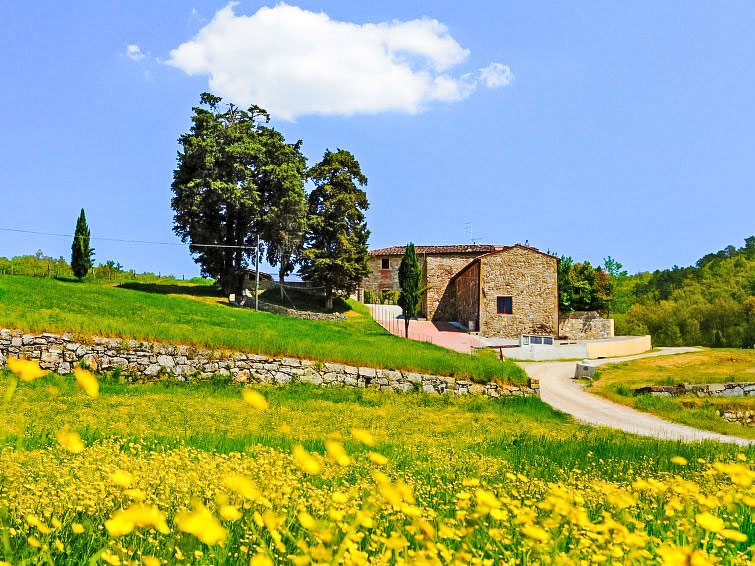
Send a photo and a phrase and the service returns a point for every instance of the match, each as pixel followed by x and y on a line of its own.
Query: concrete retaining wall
pixel 150 361
pixel 616 347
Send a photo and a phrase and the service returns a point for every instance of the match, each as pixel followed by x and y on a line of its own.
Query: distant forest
pixel 709 304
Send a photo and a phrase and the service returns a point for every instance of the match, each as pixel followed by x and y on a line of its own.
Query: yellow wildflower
pixel 230 512
pixel 304 460
pixel 679 461
pixel 363 436
pixel 203 525
pixel 536 533
pixel 378 459
pixel 260 560
pixel 87 381
pixel 243 486
pixel 709 522
pixel 736 536
pixel 337 453
pixel 111 559
pixel 59 545
pixel 121 478
pixel 27 370
pixel 150 561
pixel 254 399
pixel 77 528
pixel 71 441
pixel 33 542
pixel 126 520
pixel 135 494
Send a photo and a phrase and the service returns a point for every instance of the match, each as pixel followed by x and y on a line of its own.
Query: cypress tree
pixel 409 279
pixel 81 253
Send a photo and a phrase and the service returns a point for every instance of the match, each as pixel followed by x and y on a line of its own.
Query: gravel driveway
pixel 559 390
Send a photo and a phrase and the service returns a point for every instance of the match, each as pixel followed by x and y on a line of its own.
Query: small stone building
pixel 500 291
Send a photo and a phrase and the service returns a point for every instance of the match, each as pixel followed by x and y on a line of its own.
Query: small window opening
pixel 504 305
pixel 386 263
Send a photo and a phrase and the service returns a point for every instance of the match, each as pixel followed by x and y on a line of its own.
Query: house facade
pixel 502 291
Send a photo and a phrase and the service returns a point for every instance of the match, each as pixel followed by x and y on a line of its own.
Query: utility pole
pixel 257 275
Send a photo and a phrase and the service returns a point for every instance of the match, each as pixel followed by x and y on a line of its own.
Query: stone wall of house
pixel 468 296
pixel 440 299
pixel 149 360
pixel 530 278
pixel 380 278
pixel 584 325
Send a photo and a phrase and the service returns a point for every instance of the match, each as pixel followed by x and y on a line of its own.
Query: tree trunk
pixel 281 278
pixel 406 326
pixel 328 300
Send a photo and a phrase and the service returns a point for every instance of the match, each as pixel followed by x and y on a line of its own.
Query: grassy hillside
pixel 616 382
pixel 195 314
pixel 208 479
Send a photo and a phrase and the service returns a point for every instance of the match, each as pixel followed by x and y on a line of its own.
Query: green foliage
pixel 189 314
pixel 81 253
pixel 336 252
pixel 370 297
pixel 388 297
pixel 582 287
pixel 709 304
pixel 409 280
pixel 238 178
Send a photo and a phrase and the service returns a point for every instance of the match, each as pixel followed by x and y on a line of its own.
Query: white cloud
pixel 134 52
pixel 496 75
pixel 293 62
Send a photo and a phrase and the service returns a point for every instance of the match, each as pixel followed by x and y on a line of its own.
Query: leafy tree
pixel 237 179
pixel 582 287
pixel 81 254
pixel 409 280
pixel 284 202
pixel 335 256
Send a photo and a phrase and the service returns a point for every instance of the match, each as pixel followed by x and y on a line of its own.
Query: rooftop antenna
pixel 468 228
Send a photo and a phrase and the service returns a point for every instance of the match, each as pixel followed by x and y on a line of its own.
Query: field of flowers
pixel 93 471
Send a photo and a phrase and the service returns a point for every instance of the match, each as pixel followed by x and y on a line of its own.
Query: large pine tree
pixel 336 253
pixel 81 253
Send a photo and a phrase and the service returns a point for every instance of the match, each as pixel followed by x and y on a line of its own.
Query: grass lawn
pixel 189 473
pixel 616 382
pixel 197 315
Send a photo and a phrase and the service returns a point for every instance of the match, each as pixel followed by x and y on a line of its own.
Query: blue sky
pixel 606 128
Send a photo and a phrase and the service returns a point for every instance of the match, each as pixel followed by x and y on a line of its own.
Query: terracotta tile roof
pixel 454 249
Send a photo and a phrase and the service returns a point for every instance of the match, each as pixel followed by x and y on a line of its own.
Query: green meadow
pixel 196 315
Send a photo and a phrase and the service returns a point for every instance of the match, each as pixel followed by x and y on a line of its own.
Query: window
pixel 386 264
pixel 504 305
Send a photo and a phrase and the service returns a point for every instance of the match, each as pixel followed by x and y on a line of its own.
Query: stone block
pixel 166 361
pixel 367 372
pixel 281 377
pixel 152 370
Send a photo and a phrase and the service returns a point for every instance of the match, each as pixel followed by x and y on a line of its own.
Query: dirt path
pixel 559 390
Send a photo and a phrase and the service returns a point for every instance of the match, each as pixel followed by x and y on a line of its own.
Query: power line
pixel 102 239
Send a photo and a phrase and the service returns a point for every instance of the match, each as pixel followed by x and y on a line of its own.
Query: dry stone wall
pixel 150 361
pixel 699 390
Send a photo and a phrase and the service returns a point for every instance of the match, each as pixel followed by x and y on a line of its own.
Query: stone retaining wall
pixel 148 360
pixel 699 390
pixel 584 325
pixel 746 418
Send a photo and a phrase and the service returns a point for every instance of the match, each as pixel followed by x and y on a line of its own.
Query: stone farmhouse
pixel 501 291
